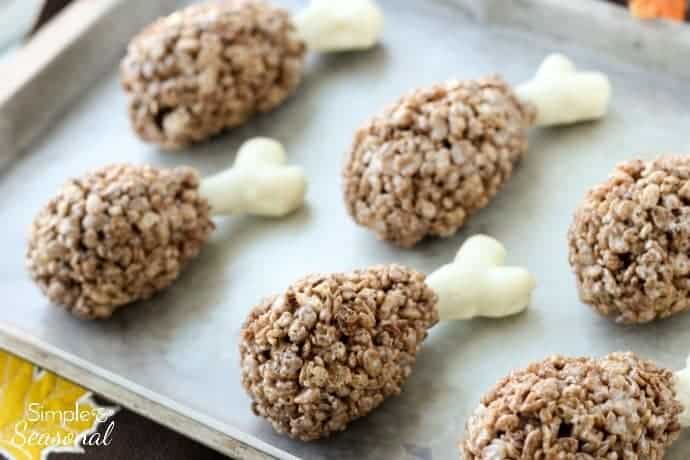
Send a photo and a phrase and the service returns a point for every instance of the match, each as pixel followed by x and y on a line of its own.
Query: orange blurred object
pixel 651 9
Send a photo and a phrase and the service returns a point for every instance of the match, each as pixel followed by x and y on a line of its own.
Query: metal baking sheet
pixel 177 354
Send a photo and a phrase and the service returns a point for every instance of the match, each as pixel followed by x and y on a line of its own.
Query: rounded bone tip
pixel 482 249
pixel 333 347
pixel 425 164
pixel 259 183
pixel 328 26
pixel 563 95
pixel 477 284
pixel 629 241
pixel 261 151
pixel 115 236
pixel 208 68
pixel 573 408
pixel 556 64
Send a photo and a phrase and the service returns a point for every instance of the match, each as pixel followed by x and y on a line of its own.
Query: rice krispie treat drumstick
pixel 122 233
pixel 620 407
pixel 333 346
pixel 630 239
pixel 211 66
pixel 439 154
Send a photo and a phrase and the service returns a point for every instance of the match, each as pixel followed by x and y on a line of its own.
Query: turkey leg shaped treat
pixel 122 233
pixel 630 239
pixel 333 347
pixel 426 163
pixel 209 67
pixel 616 407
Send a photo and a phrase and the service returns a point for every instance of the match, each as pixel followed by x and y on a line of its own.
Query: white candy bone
pixel 564 95
pixel 340 25
pixel 477 283
pixel 259 183
pixel 683 394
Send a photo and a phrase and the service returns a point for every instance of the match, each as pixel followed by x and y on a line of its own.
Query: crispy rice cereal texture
pixel 619 407
pixel 333 347
pixel 427 162
pixel 209 67
pixel 630 240
pixel 117 235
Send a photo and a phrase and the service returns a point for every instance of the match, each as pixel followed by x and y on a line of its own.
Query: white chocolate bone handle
pixel 564 95
pixel 259 183
pixel 683 394
pixel 478 284
pixel 340 25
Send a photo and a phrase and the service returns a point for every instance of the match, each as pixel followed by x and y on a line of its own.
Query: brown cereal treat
pixel 333 347
pixel 117 235
pixel 630 239
pixel 427 162
pixel 208 68
pixel 618 407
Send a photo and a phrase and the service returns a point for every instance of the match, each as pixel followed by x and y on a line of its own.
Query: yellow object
pixel 41 413
pixel 652 9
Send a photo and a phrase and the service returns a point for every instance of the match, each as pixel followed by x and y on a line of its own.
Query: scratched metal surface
pixel 182 345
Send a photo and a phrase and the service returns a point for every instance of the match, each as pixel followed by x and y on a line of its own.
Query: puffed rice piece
pixel 629 241
pixel 333 347
pixel 617 407
pixel 431 160
pixel 117 235
pixel 208 68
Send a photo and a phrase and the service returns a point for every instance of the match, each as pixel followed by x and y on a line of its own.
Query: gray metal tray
pixel 175 358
